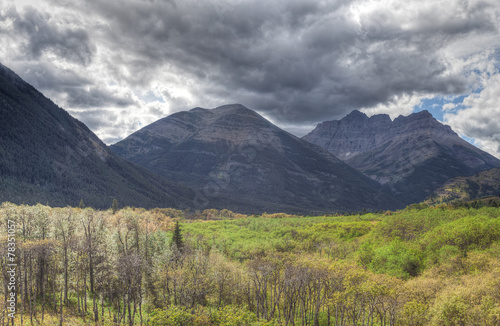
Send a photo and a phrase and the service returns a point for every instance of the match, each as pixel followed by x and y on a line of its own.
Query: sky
pixel 118 65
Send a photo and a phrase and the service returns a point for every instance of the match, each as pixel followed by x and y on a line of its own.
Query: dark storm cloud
pixel 43 34
pixel 79 91
pixel 96 119
pixel 95 98
pixel 296 61
pixel 45 76
pixel 301 60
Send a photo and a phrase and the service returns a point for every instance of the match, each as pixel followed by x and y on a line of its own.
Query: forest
pixel 418 266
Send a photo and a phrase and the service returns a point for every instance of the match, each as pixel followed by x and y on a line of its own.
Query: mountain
pixel 236 159
pixel 49 157
pixel 482 184
pixel 412 155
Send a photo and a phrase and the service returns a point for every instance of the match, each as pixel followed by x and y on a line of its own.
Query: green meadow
pixel 417 266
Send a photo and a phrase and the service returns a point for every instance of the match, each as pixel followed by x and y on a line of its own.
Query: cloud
pixel 73 91
pixel 398 105
pixel 297 62
pixel 449 107
pixel 96 98
pixel 44 35
pixel 45 76
pixel 480 117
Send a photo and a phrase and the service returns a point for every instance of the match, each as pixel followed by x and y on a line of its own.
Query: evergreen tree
pixel 177 237
pixel 81 205
pixel 114 206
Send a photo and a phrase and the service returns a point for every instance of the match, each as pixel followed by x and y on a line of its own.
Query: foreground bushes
pixel 414 267
pixel 226 316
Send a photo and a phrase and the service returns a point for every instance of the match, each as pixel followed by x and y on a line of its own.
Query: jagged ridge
pixel 411 155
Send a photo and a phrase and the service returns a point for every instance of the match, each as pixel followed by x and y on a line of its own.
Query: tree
pixel 114 206
pixel 65 230
pixel 177 237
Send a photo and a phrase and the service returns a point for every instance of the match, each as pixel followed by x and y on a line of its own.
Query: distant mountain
pixel 412 155
pixel 49 157
pixel 238 160
pixel 461 189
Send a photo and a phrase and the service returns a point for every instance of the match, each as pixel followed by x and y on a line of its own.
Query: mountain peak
pixel 423 115
pixel 412 155
pixel 380 119
pixel 224 110
pixel 197 109
pixel 355 115
pixel 236 109
pixel 237 159
pixel 234 106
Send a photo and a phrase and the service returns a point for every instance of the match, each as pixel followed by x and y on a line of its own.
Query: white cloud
pixel 480 119
pixel 449 107
pixel 398 105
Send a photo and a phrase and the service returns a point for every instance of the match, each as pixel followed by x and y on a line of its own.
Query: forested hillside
pixel 47 156
pixel 480 185
pixel 418 266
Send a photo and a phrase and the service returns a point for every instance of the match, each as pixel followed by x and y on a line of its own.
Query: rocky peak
pixel 380 119
pixel 234 108
pixel 197 109
pixel 413 154
pixel 422 117
pixel 419 121
pixel 357 133
pixel 352 134
pixel 356 116
pixel 249 161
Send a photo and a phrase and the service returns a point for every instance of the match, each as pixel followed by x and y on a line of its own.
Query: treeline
pixel 133 266
pixel 477 203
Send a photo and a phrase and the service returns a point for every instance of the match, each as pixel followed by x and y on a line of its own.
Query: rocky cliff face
pixel 236 159
pixel 411 155
pixel 46 156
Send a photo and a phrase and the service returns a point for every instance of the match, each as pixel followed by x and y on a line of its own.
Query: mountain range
pixel 234 158
pixel 48 157
pixel 411 155
pixel 231 157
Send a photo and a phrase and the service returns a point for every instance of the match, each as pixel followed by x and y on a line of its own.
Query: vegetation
pixel 461 189
pixel 418 266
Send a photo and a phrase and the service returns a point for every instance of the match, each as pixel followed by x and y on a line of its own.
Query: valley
pixel 132 266
pixel 219 217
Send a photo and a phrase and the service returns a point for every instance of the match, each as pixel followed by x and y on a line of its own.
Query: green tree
pixel 177 237
pixel 114 206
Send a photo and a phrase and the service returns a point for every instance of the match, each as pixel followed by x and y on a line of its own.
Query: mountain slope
pixel 482 184
pixel 236 159
pixel 49 157
pixel 411 155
